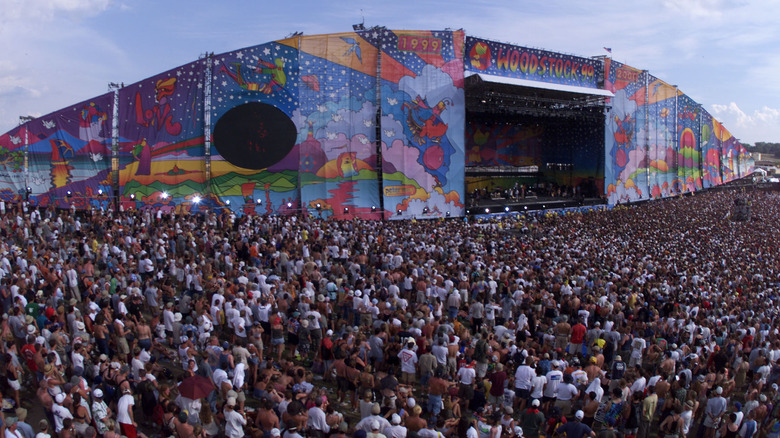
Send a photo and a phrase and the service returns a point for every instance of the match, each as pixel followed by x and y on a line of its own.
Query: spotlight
pixel 259 201
pixel 68 193
pixel 425 210
pixel 289 205
pixel 196 199
pixel 373 208
pixel 29 189
pixel 448 214
pixel 132 195
pixel 319 206
pixel 164 195
pixel 398 212
pixel 346 210
pixel 100 192
pixel 544 206
pixel 227 201
pixel 525 207
pixel 487 210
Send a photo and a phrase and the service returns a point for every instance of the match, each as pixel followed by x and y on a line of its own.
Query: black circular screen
pixel 254 135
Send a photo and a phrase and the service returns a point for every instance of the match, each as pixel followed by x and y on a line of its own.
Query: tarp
pixel 161 143
pixel 422 123
pixel 254 156
pixel 337 126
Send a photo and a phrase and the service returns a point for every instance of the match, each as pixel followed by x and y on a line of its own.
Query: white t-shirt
pixel 408 360
pixel 554 378
pixel 122 416
pixel 537 385
pixel 523 377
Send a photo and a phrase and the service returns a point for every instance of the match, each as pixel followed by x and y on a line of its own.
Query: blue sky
pixel 722 53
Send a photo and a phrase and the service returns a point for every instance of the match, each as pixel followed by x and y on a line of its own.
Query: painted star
pixel 266 51
pixel 240 55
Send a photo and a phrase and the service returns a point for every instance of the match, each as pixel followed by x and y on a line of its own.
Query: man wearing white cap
pixel 375 433
pixel 234 420
pixel 124 414
pixel 716 407
pixel 554 378
pixel 59 412
pixel 575 429
pixel 396 430
pixel 100 411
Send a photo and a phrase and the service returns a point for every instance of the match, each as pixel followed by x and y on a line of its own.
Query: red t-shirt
pixel 497 380
pixel 578 333
pixel 28 353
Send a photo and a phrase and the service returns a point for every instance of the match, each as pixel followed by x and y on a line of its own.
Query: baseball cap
pixel 275 432
pixel 374 425
pixel 97 393
pixel 535 403
pixel 579 415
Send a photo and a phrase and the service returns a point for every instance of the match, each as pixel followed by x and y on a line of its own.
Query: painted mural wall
pixel 68 157
pixel 660 143
pixel 423 118
pixel 364 124
pixel 161 141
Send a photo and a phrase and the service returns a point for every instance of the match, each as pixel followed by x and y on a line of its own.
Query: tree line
pixel 764 148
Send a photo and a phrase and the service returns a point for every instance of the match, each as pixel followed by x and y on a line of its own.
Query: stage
pixel 529 203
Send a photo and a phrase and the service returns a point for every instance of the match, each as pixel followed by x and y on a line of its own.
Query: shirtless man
pixel 266 418
pixel 562 330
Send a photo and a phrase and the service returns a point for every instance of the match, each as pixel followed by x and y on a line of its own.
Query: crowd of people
pixel 650 320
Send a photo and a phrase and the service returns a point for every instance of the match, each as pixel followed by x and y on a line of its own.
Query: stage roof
pixel 495 95
pixel 542 85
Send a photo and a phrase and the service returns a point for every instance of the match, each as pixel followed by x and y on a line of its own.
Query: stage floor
pixel 500 205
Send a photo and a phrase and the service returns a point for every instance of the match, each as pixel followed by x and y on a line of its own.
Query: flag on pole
pixel 608 49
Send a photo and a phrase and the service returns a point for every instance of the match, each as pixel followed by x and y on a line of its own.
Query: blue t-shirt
pixel 574 429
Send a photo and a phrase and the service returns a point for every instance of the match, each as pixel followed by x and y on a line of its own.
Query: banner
pixel 625 144
pixel 500 59
pixel 337 126
pixel 689 151
pixel 710 150
pixel 70 156
pixel 662 139
pixel 161 144
pixel 254 155
pixel 13 175
pixel 729 154
pixel 422 123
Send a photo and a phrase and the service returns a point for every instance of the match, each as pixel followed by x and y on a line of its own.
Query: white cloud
pixel 49 9
pixel 706 9
pixel 763 124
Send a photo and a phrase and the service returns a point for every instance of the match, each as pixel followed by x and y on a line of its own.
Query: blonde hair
pixel 206 417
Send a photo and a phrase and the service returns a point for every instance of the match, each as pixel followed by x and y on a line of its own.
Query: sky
pixel 722 53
